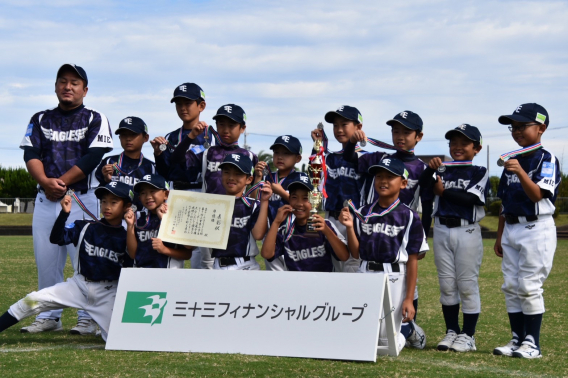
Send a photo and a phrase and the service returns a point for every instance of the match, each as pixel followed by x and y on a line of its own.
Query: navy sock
pixel 6 321
pixel 415 304
pixel 406 330
pixel 517 320
pixel 469 323
pixel 451 317
pixel 532 326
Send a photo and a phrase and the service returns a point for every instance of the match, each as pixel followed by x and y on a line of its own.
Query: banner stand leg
pixel 388 321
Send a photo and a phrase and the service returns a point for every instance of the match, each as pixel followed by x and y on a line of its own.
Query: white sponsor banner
pixel 197 219
pixel 295 314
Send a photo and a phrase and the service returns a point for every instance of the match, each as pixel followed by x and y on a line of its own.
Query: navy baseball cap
pixel 527 113
pixel 241 161
pixel 232 111
pixel 155 180
pixel 290 142
pixel 75 68
pixel 190 91
pixel 299 179
pixel 349 112
pixel 133 124
pixel 392 165
pixel 119 189
pixel 408 119
pixel 470 132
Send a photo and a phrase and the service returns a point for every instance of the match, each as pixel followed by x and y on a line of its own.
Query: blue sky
pixel 288 63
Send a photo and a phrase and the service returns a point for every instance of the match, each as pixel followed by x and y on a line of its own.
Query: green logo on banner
pixel 144 307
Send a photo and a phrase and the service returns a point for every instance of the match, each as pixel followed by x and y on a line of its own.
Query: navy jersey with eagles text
pixel 146 256
pixel 543 168
pixel 134 169
pixel 390 238
pixel 469 179
pixel 409 195
pixel 208 161
pixel 343 182
pixel 101 249
pixel 173 171
pixel 241 242
pixel 62 138
pixel 306 251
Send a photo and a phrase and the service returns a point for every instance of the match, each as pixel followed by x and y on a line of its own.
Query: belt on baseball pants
pixel 84 191
pixel 184 185
pixel 450 222
pixel 99 281
pixel 513 219
pixel 374 266
pixel 226 261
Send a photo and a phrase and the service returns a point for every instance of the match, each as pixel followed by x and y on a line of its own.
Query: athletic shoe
pixel 527 350
pixel 464 343
pixel 417 338
pixel 508 349
pixel 84 327
pixel 447 341
pixel 401 340
pixel 43 325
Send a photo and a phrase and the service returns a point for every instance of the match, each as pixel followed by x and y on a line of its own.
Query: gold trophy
pixel 315 169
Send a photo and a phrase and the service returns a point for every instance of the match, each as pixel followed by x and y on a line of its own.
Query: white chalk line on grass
pixel 479 369
pixel 43 348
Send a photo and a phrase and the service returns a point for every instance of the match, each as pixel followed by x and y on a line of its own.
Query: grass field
pixel 60 354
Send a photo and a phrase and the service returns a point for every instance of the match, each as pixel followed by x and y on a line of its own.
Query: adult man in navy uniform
pixel 62 146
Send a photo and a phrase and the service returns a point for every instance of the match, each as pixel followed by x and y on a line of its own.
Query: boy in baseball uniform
pixel 142 241
pixel 189 99
pixel 288 237
pixel 460 188
pixel 250 217
pixel 526 237
pixel 342 182
pixel 406 132
pixel 388 237
pixel 131 165
pixel 287 152
pixel 101 253
pixel 230 123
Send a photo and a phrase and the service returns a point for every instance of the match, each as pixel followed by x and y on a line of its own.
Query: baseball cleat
pixel 527 350
pixel 417 338
pixel 447 341
pixel 464 343
pixel 43 325
pixel 508 349
pixel 84 327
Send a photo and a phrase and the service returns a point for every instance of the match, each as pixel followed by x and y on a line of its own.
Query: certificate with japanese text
pixel 197 219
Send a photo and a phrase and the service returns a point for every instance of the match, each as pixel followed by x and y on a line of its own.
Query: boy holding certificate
pixel 142 241
pixel 250 217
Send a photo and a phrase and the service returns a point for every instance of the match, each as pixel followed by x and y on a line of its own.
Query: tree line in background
pixel 18 183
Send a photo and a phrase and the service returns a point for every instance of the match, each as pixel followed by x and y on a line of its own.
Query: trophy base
pixel 310 228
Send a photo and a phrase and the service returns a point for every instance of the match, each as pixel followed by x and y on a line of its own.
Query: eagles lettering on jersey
pixel 343 182
pixel 63 138
pixel 102 249
pixel 128 165
pixel 241 242
pixel 146 256
pixel 472 179
pixel 309 252
pixel 409 195
pixel 543 169
pixel 392 237
pixel 212 173
pixel 178 171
